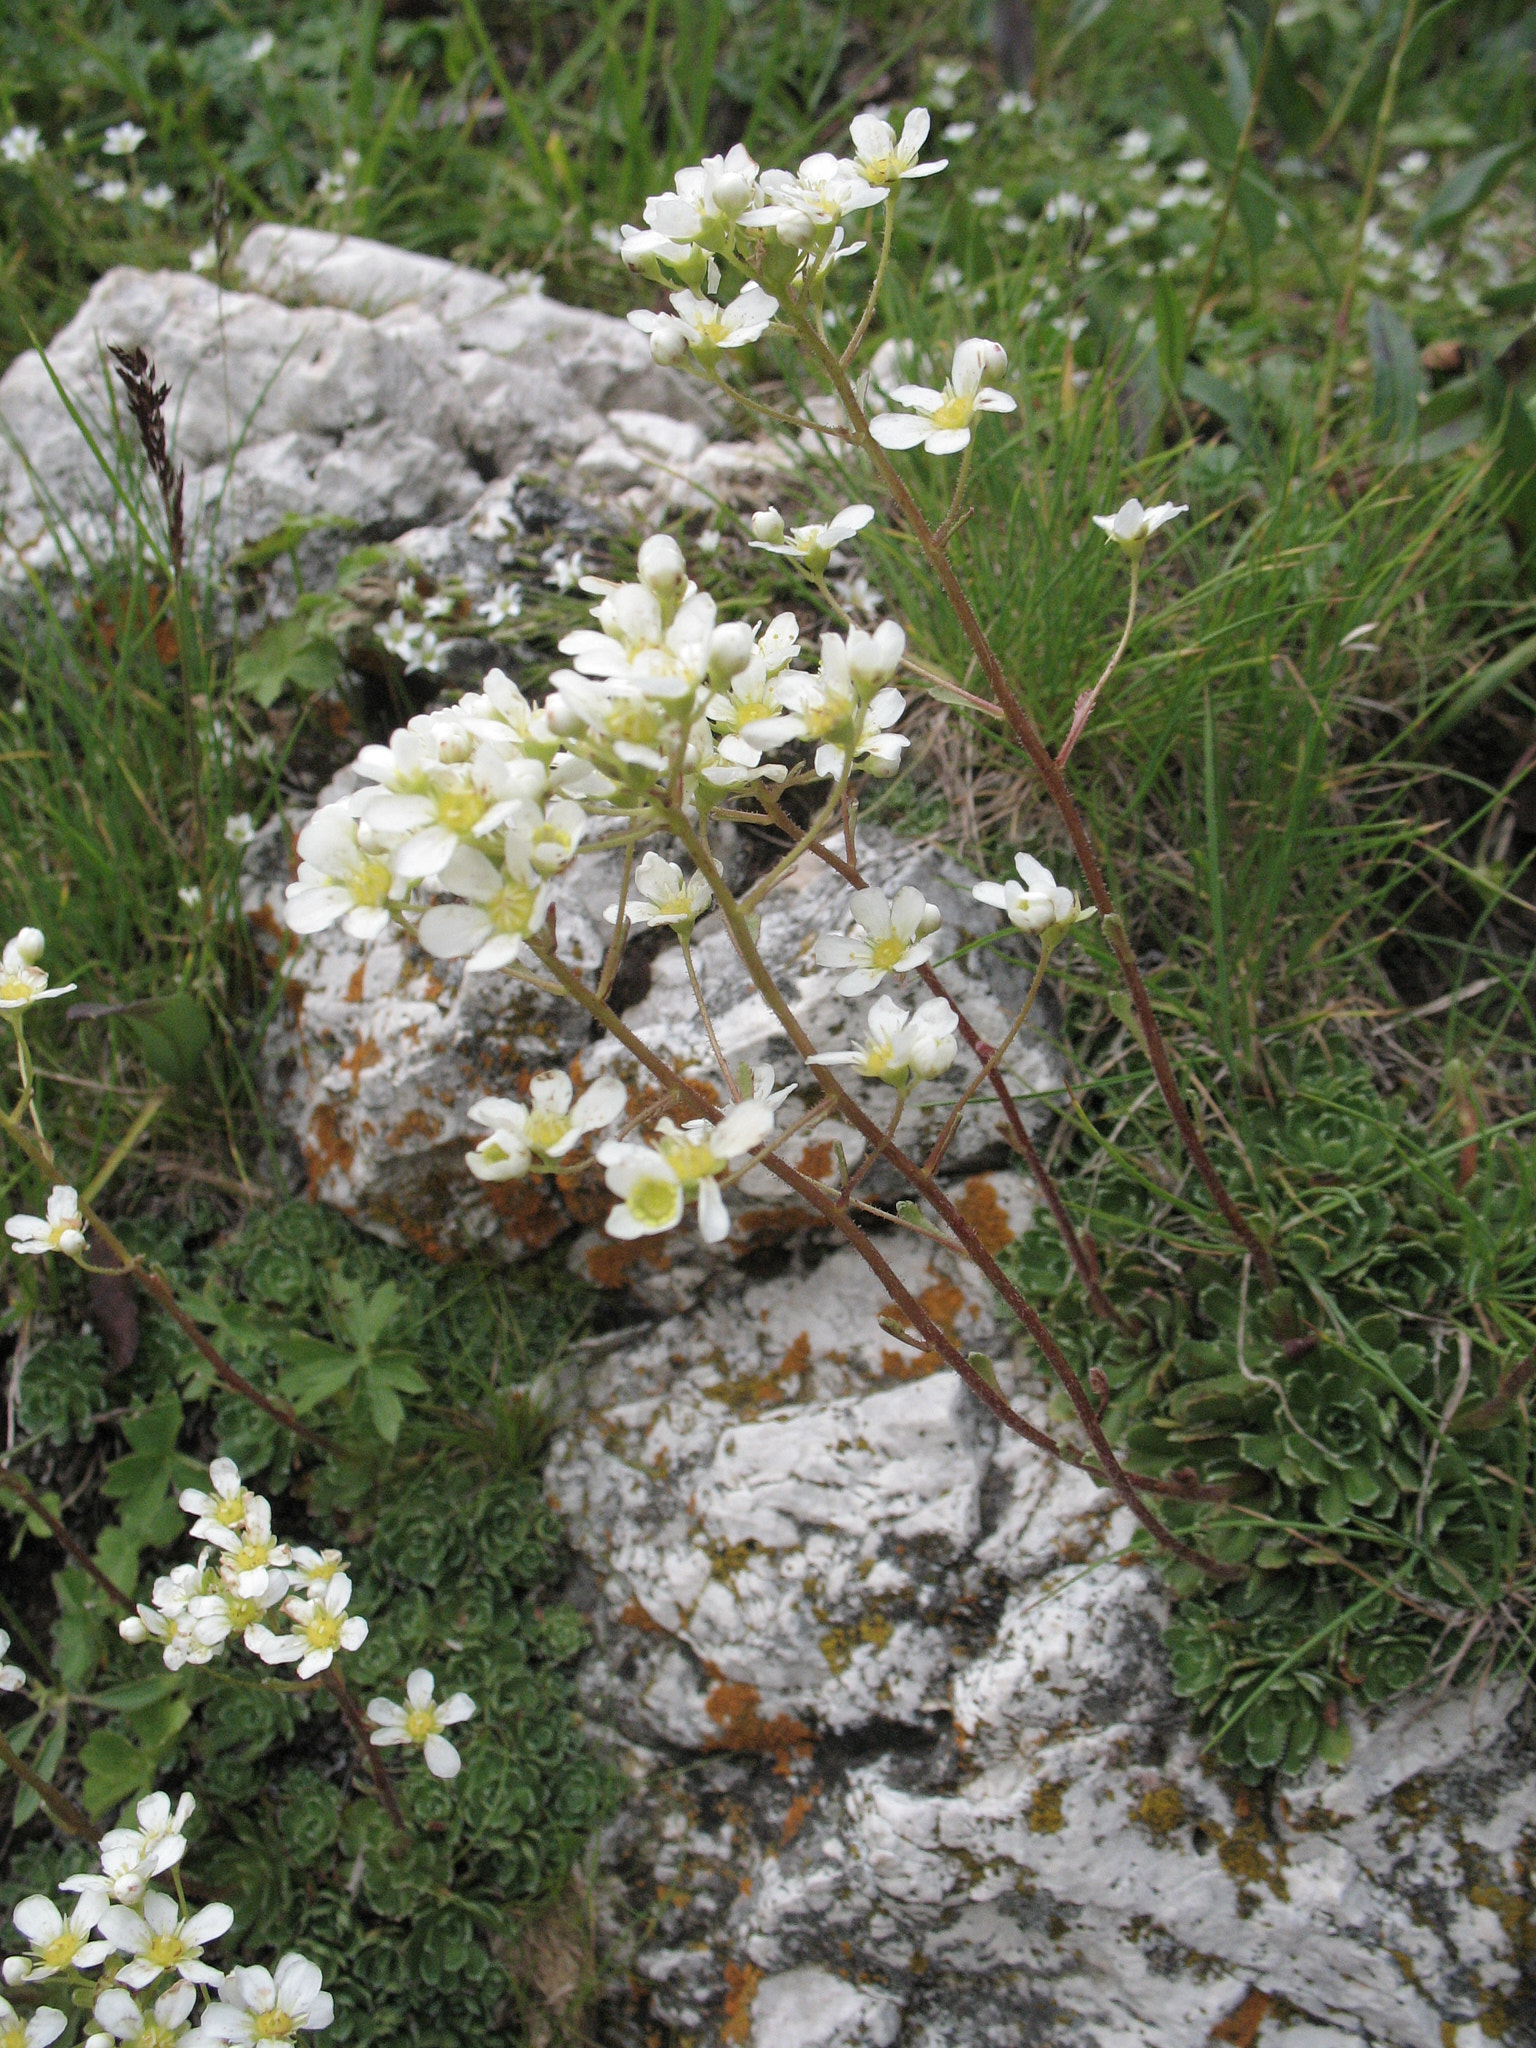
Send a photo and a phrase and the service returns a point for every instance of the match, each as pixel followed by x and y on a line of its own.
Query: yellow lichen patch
pixel 1162 1810
pixel 727 1559
pixel 1045 1816
pixel 839 1644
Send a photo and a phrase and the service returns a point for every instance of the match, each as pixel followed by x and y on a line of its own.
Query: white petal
pixel 442 1759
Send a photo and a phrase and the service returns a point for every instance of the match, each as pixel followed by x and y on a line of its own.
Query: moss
pixel 1045 1815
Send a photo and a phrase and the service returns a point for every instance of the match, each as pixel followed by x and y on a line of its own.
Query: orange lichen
pixel 1045 1816
pixel 364 1054
pixel 816 1160
pixel 1241 2027
pixel 526 1213
pixel 355 985
pixel 741 1982
pixel 794 1820
pixel 326 1150
pixel 909 1365
pixel 416 1123
pixel 635 1616
pixel 611 1263
pixel 733 1709
pixel 985 1214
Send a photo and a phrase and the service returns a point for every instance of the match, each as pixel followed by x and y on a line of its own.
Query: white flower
pixel 61 1230
pixel 343 873
pixel 250 1556
pixel 321 1627
pixel 1015 103
pixel 122 139
pixel 881 160
pixel 331 188
pixel 1035 902
pixel 665 897
pixel 565 571
pixel 118 2014
pixel 987 195
pixel 941 420
pixel 893 938
pixel 422 1722
pixel 257 2005
pixel 157 1937
pixel 900 1049
pixel 238 830
pixel 817 197
pixel 1192 170
pixel 652 1181
pixel 22 981
pixel 830 707
pixel 12 1677
pixel 20 145
pixel 504 604
pixel 706 202
pixel 203 257
pixel 56 1943
pixel 156 197
pixel 648 1189
pixel 705 327
pixel 44 2026
pixel 502 907
pixel 413 642
pixel 313 1569
pixel 550 1126
pixel 189 895
pixel 959 131
pixel 225 1507
pixel 160 1836
pixel 260 47
pixel 1134 524
pixel 1134 143
pixel 811 544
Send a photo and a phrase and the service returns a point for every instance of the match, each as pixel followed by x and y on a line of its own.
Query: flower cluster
pixel 152 1956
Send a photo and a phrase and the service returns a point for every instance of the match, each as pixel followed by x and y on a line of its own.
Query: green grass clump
pixel 455 1557
pixel 1362 1424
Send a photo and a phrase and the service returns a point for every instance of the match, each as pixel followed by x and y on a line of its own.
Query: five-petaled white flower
pixel 56 1943
pixel 238 830
pixel 44 2026
pixel 121 2018
pixel 159 1937
pixel 504 604
pixel 813 199
pixel 811 544
pixel 705 327
pixel 665 897
pixel 1036 902
pixel 224 1508
pixel 940 421
pixel 422 1721
pixel 61 1230
pixel 892 938
pixel 268 2005
pixel 12 1677
pixel 344 873
pixel 652 1181
pixel 503 906
pixel 157 197
pixel 21 146
pixel 881 159
pixel 260 47
pixel 122 139
pixel 321 1627
pixel 1134 524
pixel 650 1193
pixel 22 981
pixel 900 1049
pixel 548 1127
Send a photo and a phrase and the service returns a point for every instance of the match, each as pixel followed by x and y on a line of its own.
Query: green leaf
pixel 45 1763
pixel 308 1385
pixel 979 1363
pixel 172 1035
pixel 116 1769
pixel 1518 297
pixel 1334 1745
pixel 296 653
pixel 1469 187
pixel 1396 375
pixel 285 538
pixel 1509 426
pixel 386 1408
pixel 1224 400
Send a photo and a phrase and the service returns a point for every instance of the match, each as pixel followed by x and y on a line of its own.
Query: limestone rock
pixel 353 379
pixel 377 1054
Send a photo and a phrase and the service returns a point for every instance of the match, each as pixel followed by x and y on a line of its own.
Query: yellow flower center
pixel 153 2035
pixel 59 1953
pixel 22 985
pixel 420 1722
pixel 229 1512
pixel 242 1614
pixel 955 411
pixel 13 2037
pixel 654 1202
pixel 460 809
pixel 636 722
pixel 688 1161
pixel 546 1127
pixel 512 910
pixel 369 883
pixel 250 1557
pixel 878 1059
pixel 276 2025
pixel 822 720
pixel 168 1949
pixel 322 1631
pixel 884 953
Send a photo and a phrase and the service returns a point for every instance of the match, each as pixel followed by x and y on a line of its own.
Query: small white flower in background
pixel 811 544
pixel 550 1125
pixel 706 328
pixel 122 139
pixel 44 2026
pixel 61 1230
pixel 413 642
pixel 164 2026
pixel 21 146
pixel 900 1049
pixel 442 606
pixel 268 2005
pixel 12 1677
pixel 56 1943
pixel 1414 164
pixel 239 830
pixel 1068 206
pixel 857 594
pixel 1015 103
pixel 1133 144
pixel 1134 524
pixel 708 542
pixel 1192 170
pixel 1034 903
pixel 331 188
pixel 504 604
pixel 22 981
pixel 260 47
pixel 946 76
pixel 343 874
pixel 940 421
pixel 987 195
pixel 565 570
pixel 189 895
pixel 959 131
pixel 158 1938
pixel 1014 224
pixel 112 190
pixel 156 197
pixel 665 897
pixel 421 1721
pixel 321 1627
pixel 608 237
pixel 881 160
pixel 203 257
pixel 892 939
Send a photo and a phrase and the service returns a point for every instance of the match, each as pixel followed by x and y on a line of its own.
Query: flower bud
pixel 661 568
pixel 873 658
pixel 669 343
pixel 563 718
pixel 732 194
pixel 988 359
pixel 930 920
pixel 730 649
pixel 769 526
pixel 28 945
pixel 797 232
